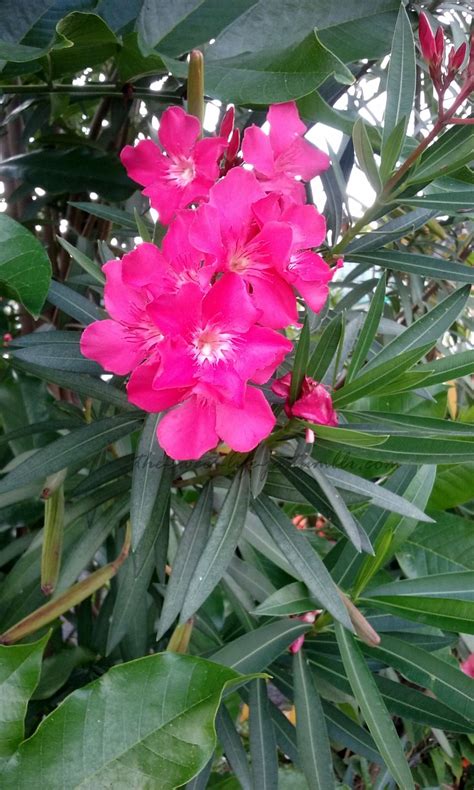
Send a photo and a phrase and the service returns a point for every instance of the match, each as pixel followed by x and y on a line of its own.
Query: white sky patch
pixel 211 116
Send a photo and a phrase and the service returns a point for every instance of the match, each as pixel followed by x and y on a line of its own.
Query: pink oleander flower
pixel 467 666
pixel 226 230
pixel 181 173
pixel 307 617
pixel 314 403
pixel 304 269
pixel 283 158
pixel 211 351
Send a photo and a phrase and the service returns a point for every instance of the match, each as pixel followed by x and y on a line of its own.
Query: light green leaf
pixel 25 270
pixel 365 154
pixel 450 151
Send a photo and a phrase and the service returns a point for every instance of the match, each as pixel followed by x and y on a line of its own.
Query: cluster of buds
pixel 433 51
pixel 229 132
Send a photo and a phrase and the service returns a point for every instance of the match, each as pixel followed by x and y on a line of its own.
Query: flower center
pixel 182 171
pixel 211 345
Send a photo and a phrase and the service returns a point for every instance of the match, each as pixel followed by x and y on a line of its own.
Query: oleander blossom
pixel 283 158
pixel 182 171
pixel 314 403
pixel 467 666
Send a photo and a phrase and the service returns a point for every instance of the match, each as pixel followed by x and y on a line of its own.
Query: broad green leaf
pixel 270 76
pixel 305 561
pixel 301 362
pixel 74 304
pixel 25 270
pixel 220 548
pixel 70 170
pixel 458 584
pixel 451 615
pixel 373 709
pixel 326 348
pixel 255 650
pixel 446 155
pixel 20 669
pixel 368 332
pixel 233 748
pixel 263 748
pixel 83 260
pixel 312 738
pixel 426 329
pixel 77 445
pixel 453 486
pixel 93 42
pixel 292 599
pixel 135 575
pixel 373 378
pixel 147 470
pixel 447 682
pixel 168 734
pixel 191 546
pixel 442 202
pixel 401 77
pixel 365 154
pixel 411 263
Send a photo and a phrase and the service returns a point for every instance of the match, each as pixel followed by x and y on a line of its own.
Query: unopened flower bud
pixel 427 39
pixel 227 125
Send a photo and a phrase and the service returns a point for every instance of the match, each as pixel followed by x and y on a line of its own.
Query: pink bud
pixel 427 40
pixel 227 124
pixel 468 666
pixel 7 337
pixel 309 436
pixel 296 646
pixel 439 44
pixel 233 145
pixel 459 55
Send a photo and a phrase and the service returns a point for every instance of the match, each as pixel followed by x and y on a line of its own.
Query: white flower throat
pixel 211 345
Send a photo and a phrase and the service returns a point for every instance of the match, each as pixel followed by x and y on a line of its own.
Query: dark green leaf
pixel 450 151
pixel 25 270
pixel 147 470
pixel 365 154
pixel 233 748
pixel 401 77
pixel 255 650
pixel 83 260
pixel 300 363
pixel 368 332
pixel 453 486
pixel 56 356
pixel 423 265
pixel 117 216
pixel 263 748
pixel 326 348
pixel 74 304
pixel 456 616
pixel 442 202
pixel 294 598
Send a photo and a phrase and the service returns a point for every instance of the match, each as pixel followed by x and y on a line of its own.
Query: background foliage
pixel 140 655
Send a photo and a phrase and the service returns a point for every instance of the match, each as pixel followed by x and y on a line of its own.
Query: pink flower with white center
pixel 212 350
pixel 314 403
pixel 227 231
pixel 305 270
pixel 181 173
pixel 130 335
pixel 283 158
pixel 467 666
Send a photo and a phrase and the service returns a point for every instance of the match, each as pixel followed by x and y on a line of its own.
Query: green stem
pixel 99 89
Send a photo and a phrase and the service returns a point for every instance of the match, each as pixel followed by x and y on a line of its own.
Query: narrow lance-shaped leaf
pixel 312 738
pixel 300 363
pixel 191 546
pixel 147 470
pixel 52 540
pixel 83 260
pixel 411 263
pixel 401 77
pixel 305 561
pixel 369 330
pixel 73 304
pixel 167 735
pixel 326 348
pixel 233 748
pixel 263 748
pixel 365 154
pixel 373 709
pixel 255 650
pixel 456 616
pixel 221 546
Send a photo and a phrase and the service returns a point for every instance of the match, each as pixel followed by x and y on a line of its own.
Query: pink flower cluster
pixel 198 323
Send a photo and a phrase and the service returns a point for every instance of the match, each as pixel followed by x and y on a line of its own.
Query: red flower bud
pixel 427 39
pixel 439 45
pixel 227 124
pixel 233 145
pixel 459 55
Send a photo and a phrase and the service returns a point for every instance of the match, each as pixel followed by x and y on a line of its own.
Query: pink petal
pixel 268 209
pixel 275 298
pixel 207 154
pixel 165 197
pixel 228 305
pixel 178 369
pixel 262 350
pixel 178 131
pixel 189 431
pixel 142 161
pixel 233 196
pixel 468 666
pixel 314 293
pixel 315 404
pixel 243 429
pixel 285 125
pixel 257 150
pixel 112 345
pixel 274 242
pixel 302 159
pixel 205 232
pixel 222 384
pixel 140 390
pixel 122 303
pixel 145 265
pixel 281 387
pixel 309 226
pixel 178 313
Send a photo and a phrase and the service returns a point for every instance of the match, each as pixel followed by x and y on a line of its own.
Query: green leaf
pixel 170 735
pixel 373 709
pixel 392 149
pixel 426 329
pixel 411 424
pixel 25 270
pixel 373 378
pixel 456 616
pixel 259 469
pixel 270 76
pixel 453 486
pixel 410 450
pixel 446 682
pixel 326 348
pixel 83 260
pixel 442 202
pixel 221 546
pixel 300 363
pixel 77 445
pixel 288 600
pixel 74 304
pixel 124 219
pixel 58 356
pixel 392 230
pixel 92 39
pixel 263 748
pixel 451 367
pixel 365 154
pixel 450 151
pixel 401 77
pixel 459 585
pixel 255 650
pixel 313 743
pixel 190 548
pixel 423 265
pixel 147 470
pixel 233 748
pixel 347 436
pixel 59 170
pixel 368 331
pixel 302 557
pixel 20 669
